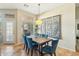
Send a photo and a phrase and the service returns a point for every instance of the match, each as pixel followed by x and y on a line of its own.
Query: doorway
pixel 8 32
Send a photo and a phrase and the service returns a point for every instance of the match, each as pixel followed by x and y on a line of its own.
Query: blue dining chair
pixel 31 45
pixel 50 49
pixel 25 42
pixel 24 37
pixel 44 35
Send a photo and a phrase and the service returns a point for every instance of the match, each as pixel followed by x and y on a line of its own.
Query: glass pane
pixel 9 31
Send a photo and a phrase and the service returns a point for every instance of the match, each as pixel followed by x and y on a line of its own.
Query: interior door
pixel 10 32
pixel 7 26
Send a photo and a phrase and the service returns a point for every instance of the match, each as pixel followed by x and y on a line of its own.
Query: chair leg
pixel 54 54
pixel 32 52
pixel 28 51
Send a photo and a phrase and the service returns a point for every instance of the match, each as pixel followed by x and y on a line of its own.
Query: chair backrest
pixel 29 42
pixel 25 40
pixel 44 35
pixel 54 44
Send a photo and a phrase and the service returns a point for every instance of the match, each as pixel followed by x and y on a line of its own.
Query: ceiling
pixel 30 7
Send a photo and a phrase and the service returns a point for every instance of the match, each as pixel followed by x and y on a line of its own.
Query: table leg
pixel 39 49
pixel 40 52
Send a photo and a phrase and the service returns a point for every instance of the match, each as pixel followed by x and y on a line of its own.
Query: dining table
pixel 41 42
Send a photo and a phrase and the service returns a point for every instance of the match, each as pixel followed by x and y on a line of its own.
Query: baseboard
pixel 68 49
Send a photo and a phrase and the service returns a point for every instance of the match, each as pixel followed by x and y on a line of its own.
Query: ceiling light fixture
pixel 39 21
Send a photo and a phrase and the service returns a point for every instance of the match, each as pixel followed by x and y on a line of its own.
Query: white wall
pixel 67 12
pixel 23 17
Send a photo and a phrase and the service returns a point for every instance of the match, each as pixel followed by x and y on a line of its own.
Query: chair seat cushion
pixel 47 49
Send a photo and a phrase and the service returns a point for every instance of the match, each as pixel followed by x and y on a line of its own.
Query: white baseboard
pixel 67 48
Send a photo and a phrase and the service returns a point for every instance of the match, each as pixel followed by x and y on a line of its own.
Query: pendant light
pixel 39 21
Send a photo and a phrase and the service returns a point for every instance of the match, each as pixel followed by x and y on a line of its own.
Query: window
pixel 51 26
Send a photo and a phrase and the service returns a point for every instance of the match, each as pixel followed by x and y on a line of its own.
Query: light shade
pixel 39 22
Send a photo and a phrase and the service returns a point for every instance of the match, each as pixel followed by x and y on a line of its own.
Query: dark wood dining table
pixel 41 41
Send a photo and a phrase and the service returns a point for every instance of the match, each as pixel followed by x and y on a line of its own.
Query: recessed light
pixel 26 5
